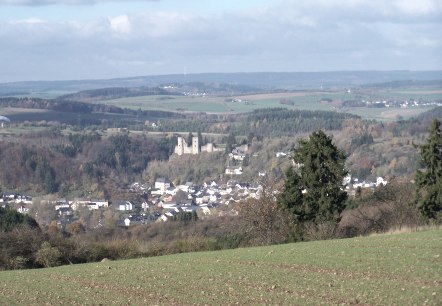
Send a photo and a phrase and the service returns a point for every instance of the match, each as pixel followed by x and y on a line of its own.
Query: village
pixel 394 103
pixel 163 201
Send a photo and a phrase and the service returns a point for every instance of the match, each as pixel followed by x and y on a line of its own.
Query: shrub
pixel 18 247
pixel 389 207
pixel 264 220
pixel 48 256
pixel 320 230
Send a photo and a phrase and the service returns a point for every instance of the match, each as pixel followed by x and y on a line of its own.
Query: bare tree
pixel 264 220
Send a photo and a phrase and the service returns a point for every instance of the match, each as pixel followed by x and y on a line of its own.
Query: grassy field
pixel 304 100
pixel 402 269
pixel 301 100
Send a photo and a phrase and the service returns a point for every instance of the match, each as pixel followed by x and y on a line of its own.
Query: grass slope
pixel 401 269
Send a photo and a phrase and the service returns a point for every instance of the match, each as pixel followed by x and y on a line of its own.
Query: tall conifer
pixel 429 181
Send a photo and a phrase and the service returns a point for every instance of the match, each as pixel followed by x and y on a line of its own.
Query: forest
pixel 95 158
pixel 64 109
pixel 271 122
pixel 102 157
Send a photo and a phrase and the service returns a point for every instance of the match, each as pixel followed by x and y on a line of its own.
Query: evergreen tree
pixel 429 181
pixel 189 139
pixel 291 196
pixel 316 193
pixel 194 216
pixel 10 219
pixel 231 143
pixel 245 161
pixel 200 139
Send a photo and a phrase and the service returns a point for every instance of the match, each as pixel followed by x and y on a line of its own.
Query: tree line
pixel 69 106
pixel 115 93
pixel 273 122
pixel 57 163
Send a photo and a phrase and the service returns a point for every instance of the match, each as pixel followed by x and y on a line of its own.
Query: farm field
pixel 298 100
pixel 401 269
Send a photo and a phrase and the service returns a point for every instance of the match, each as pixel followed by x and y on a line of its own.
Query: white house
pixel 23 209
pixel 76 204
pixel 234 170
pixel 380 180
pixel 172 191
pixel 90 204
pixel 100 203
pixel 162 184
pixel 346 180
pixel 61 204
pixel 125 205
pixel 205 210
pixel 23 199
pixel 145 205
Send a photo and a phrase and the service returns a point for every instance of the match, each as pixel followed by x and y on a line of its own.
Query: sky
pixel 93 39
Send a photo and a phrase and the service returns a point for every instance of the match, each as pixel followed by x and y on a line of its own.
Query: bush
pixel 120 249
pixel 264 220
pixel 389 207
pixel 18 248
pixel 319 230
pixel 48 256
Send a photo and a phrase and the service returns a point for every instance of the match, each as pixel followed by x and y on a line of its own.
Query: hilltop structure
pixel 183 148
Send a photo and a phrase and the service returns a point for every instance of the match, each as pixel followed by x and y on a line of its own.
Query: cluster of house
pixel 189 197
pixel 237 156
pixel 165 201
pixel 13 199
pixel 353 184
pixel 194 94
pixel 401 103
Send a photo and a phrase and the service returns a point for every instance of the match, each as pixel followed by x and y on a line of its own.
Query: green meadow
pixel 390 269
pixel 298 100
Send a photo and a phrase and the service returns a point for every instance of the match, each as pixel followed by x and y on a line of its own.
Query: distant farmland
pixel 290 100
pixel 403 269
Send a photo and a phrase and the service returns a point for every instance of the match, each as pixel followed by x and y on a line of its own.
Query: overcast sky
pixel 79 39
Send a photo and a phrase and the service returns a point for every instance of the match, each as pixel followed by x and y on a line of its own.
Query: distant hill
pixel 406 84
pixel 264 80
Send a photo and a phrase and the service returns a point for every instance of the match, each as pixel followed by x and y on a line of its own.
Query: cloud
pixel 316 35
pixel 58 2
pixel 120 24
pixel 29 21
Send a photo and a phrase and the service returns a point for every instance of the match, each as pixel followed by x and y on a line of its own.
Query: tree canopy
pixel 314 192
pixel 429 181
pixel 9 219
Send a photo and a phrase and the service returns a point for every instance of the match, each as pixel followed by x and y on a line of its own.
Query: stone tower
pixel 195 145
pixel 179 149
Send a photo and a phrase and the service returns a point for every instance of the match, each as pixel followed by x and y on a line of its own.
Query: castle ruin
pixel 183 148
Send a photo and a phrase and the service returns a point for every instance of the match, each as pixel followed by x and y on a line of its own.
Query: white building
pixel 162 185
